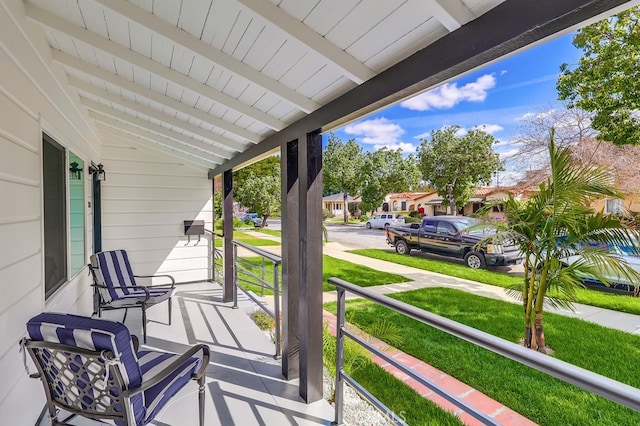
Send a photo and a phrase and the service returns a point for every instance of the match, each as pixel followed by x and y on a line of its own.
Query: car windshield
pixel 466 222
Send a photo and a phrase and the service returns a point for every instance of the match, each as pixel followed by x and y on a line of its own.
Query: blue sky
pixel 496 96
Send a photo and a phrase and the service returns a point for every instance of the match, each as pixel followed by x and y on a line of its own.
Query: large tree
pixel 342 167
pixel 386 171
pixel 606 81
pixel 269 166
pixel 260 194
pixel 571 125
pixel 455 165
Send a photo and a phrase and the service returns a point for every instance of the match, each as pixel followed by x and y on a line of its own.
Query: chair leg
pixel 124 318
pixel 201 382
pixel 169 311
pixel 144 323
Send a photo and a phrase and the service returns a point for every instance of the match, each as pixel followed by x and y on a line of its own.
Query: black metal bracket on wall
pixel 193 227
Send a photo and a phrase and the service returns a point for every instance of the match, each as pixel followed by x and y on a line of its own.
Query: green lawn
pixel 543 399
pixel 247 238
pixel 585 296
pixel 272 232
pixel 331 267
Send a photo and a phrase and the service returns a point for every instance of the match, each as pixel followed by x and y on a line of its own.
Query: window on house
pixel 54 172
pixel 613 206
pixel 76 213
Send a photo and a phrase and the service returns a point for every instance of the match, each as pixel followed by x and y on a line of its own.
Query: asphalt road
pixel 357 237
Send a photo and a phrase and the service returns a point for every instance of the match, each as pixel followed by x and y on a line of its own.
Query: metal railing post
pixel 235 276
pixel 276 306
pixel 262 277
pixel 338 391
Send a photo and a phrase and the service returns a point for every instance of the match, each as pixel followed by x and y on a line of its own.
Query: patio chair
pixel 91 368
pixel 115 286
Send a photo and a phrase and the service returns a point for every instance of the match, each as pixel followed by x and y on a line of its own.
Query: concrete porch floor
pixel 244 382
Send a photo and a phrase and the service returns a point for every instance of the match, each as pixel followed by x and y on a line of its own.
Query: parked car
pixel 630 253
pixel 453 236
pixel 252 217
pixel 385 219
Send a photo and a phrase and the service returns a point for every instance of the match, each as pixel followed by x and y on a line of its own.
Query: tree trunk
pixel 541 345
pixel 345 210
pixel 264 221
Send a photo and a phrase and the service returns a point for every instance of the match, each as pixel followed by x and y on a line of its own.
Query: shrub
pixel 412 219
pixel 325 214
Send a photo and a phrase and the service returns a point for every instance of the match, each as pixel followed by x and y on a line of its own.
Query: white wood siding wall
pixel 145 198
pixel 145 201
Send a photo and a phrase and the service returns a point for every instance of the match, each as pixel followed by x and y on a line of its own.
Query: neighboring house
pixel 405 201
pixel 621 161
pixel 335 203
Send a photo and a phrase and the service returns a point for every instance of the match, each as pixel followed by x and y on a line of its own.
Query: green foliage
pixel 386 171
pixel 342 167
pixel 217 203
pixel 606 80
pixel 269 166
pixel 263 320
pixel 326 214
pixel 560 209
pixel 456 165
pixel 260 194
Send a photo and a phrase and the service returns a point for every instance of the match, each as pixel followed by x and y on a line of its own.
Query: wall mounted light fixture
pixel 97 171
pixel 75 172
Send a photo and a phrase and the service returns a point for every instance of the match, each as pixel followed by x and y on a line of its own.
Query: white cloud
pixel 405 146
pixel 380 133
pixel 489 128
pixel 449 94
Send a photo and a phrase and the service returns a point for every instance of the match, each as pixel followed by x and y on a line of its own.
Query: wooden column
pixel 290 260
pixel 227 230
pixel 310 264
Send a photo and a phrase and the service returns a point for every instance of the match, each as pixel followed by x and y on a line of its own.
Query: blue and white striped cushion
pixel 96 335
pixel 116 272
pixel 151 363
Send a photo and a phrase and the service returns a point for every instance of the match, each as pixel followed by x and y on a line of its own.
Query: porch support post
pixel 291 260
pixel 227 230
pixel 310 264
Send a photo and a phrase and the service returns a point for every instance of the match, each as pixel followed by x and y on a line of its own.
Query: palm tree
pixel 558 222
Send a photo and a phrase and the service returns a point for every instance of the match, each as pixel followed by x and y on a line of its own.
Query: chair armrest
pixel 157 378
pixel 146 291
pixel 173 281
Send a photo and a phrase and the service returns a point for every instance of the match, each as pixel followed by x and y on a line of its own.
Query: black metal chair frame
pixel 54 363
pixel 99 305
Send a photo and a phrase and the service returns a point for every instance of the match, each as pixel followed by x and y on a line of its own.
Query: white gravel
pixel 356 411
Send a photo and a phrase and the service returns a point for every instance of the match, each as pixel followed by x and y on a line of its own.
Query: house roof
pixel 338 197
pixel 410 195
pixel 219 84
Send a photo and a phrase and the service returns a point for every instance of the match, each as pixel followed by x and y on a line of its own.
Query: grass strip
pixel 272 232
pixel 395 394
pixel 616 302
pixel 331 267
pixel 248 239
pixel 537 396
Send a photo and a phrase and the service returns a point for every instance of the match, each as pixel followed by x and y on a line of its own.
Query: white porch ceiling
pixel 205 80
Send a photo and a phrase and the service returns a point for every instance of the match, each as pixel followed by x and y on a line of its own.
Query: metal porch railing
pixel 613 390
pixel 244 271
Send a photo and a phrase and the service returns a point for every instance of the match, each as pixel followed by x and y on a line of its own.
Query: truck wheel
pixel 475 260
pixel 402 247
pixel 368 225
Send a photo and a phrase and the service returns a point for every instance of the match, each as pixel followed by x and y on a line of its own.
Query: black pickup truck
pixel 450 236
